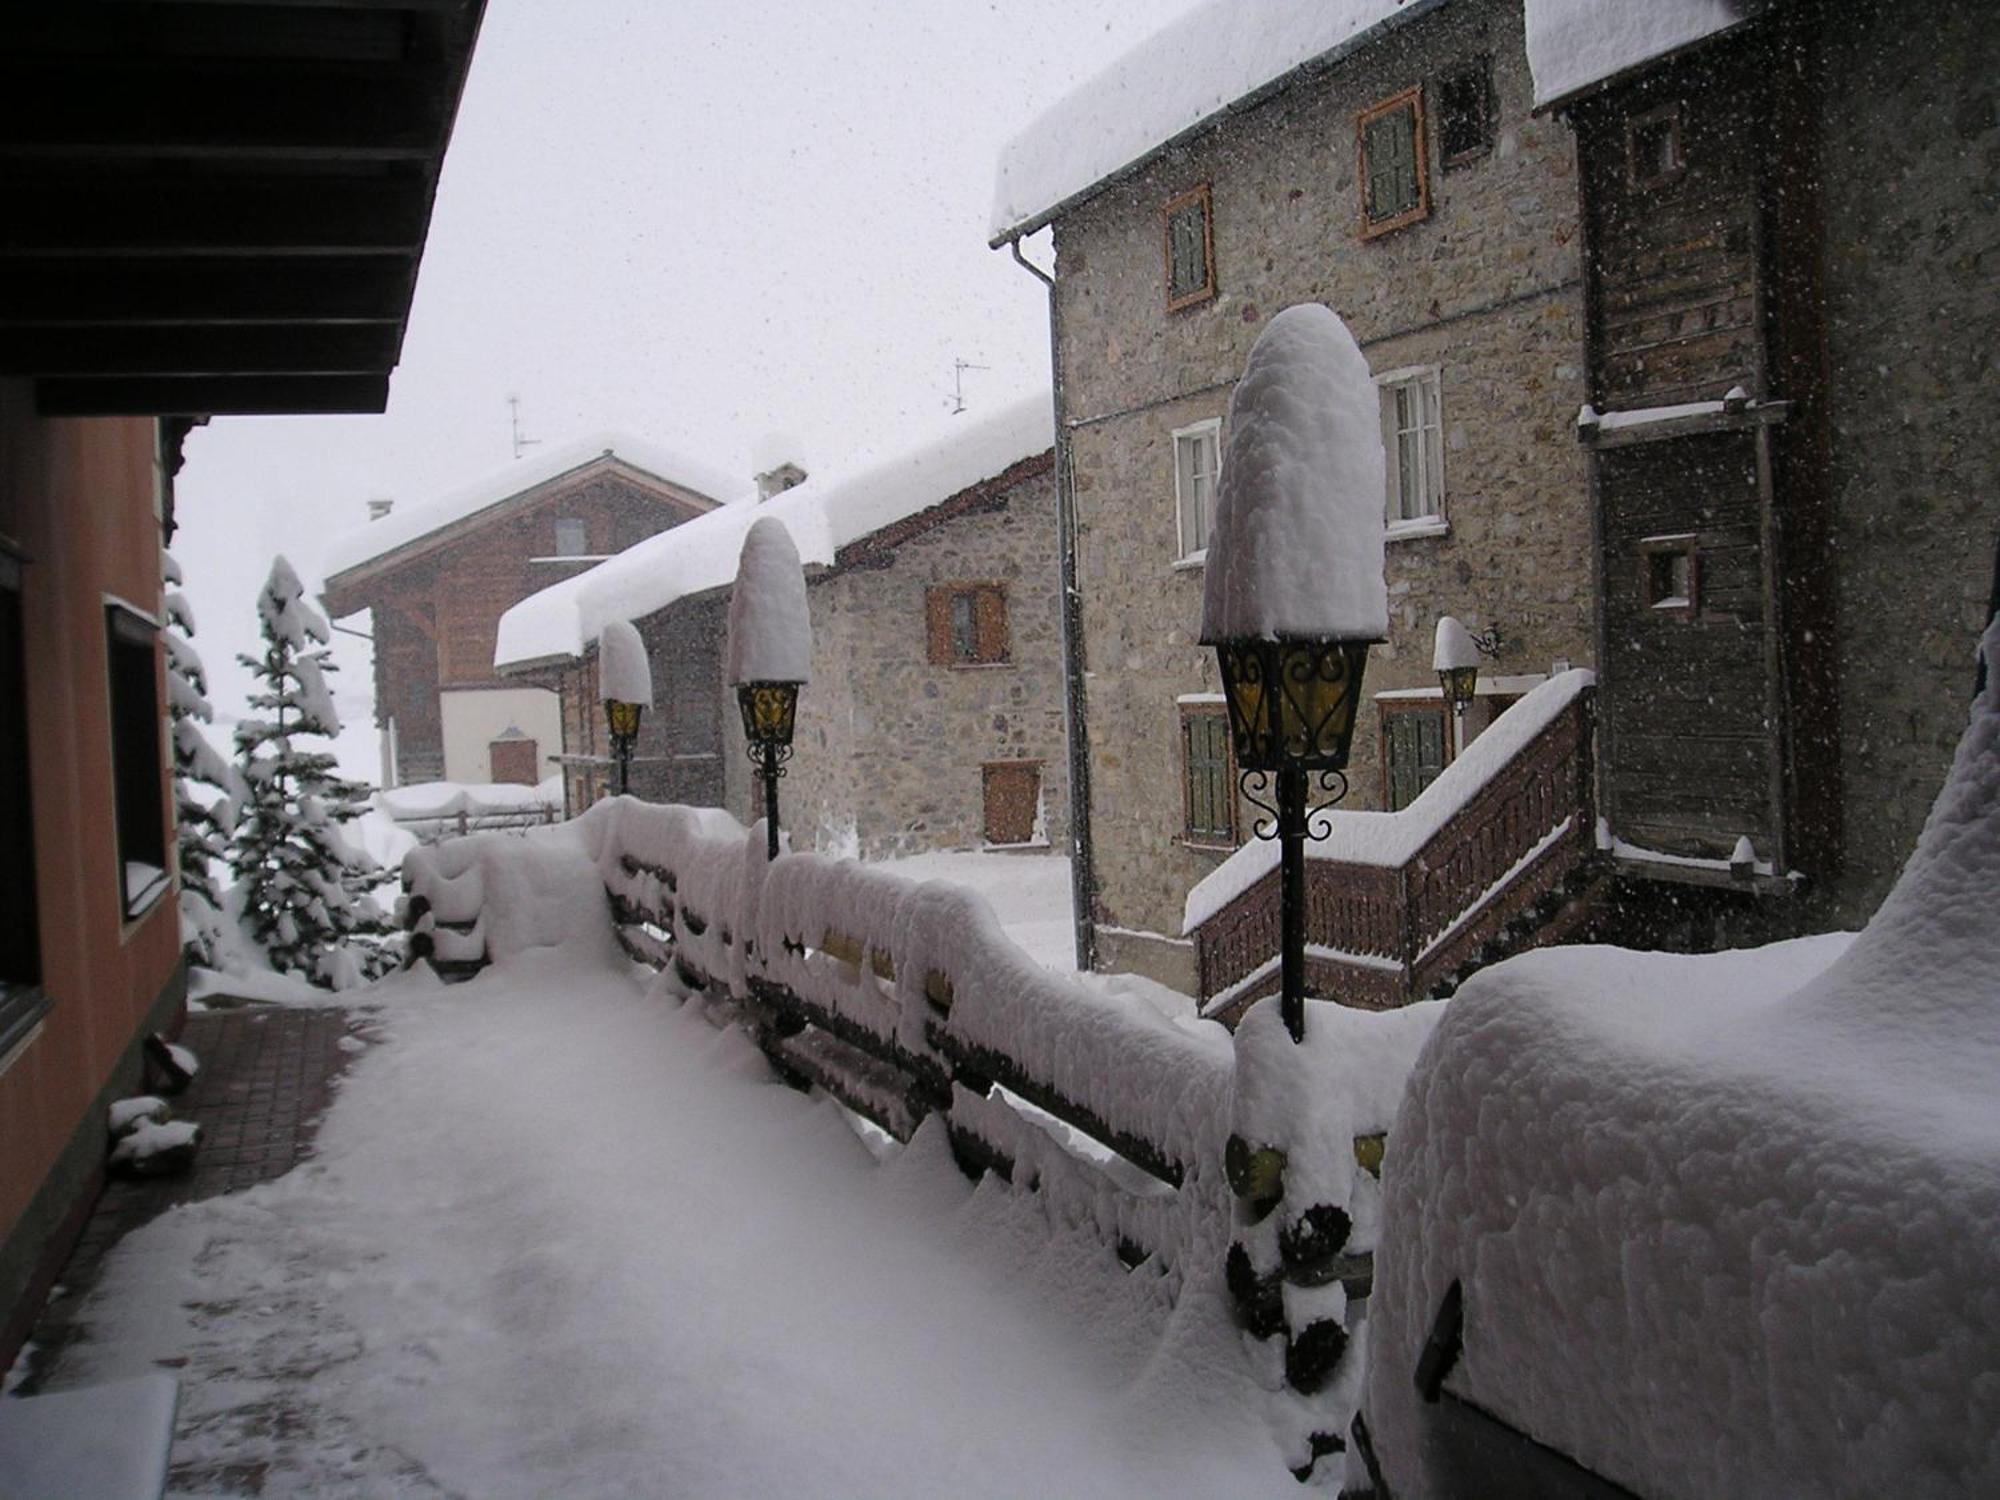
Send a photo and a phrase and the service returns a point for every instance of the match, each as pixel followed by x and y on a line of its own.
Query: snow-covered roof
pixel 1574 45
pixel 1220 56
pixel 823 515
pixel 402 526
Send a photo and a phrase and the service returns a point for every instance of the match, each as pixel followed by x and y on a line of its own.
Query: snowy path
pixel 565 1239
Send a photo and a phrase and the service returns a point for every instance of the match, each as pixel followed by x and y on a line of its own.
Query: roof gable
pixel 402 536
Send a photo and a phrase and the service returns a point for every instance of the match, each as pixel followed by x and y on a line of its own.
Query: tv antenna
pixel 958 369
pixel 514 423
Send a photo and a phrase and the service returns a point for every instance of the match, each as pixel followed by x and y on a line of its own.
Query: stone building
pixel 934 717
pixel 1403 178
pixel 1718 230
pixel 436 578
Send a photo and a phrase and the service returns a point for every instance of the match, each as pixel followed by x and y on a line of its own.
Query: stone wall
pixel 1487 288
pixel 1910 162
pixel 890 748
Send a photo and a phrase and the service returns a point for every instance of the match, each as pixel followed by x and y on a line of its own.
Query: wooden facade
pixel 436 600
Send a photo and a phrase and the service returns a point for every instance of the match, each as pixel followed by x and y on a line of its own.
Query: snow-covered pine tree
pixel 306 894
pixel 204 823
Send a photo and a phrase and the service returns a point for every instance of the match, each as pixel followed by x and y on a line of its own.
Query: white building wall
pixel 474 717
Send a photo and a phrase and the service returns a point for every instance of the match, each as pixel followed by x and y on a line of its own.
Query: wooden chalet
pixel 211 209
pixel 436 580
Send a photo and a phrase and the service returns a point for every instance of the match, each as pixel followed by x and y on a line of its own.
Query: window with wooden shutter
pixel 1190 248
pixel 965 625
pixel 1394 173
pixel 1208 787
pixel 1413 751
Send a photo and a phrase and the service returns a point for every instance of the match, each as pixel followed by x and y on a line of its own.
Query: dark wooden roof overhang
pixel 215 206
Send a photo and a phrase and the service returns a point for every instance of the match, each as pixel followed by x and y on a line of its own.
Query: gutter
pixel 1082 863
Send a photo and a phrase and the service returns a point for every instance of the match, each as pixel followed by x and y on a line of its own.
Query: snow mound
pixel 770 628
pixel 1298 541
pixel 623 672
pixel 1722 1232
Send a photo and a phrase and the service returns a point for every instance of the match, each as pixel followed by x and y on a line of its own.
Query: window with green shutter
pixel 1394 172
pixel 1190 248
pixel 1209 788
pixel 1413 745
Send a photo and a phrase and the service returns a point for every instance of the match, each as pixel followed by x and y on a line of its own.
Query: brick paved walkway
pixel 266 1076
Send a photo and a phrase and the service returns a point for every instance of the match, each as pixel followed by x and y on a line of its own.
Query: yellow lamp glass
pixel 769 709
pixel 1292 702
pixel 623 717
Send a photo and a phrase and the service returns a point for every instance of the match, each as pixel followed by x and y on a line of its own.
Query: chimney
pixel 377 509
pixel 777 481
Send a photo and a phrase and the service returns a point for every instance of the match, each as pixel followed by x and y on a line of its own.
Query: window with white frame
pixel 1197 461
pixel 1413 437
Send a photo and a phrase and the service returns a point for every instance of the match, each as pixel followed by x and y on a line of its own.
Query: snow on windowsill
pixel 1391 839
pixel 1410 531
pixel 1201 698
pixel 1194 562
pixel 1510 686
pixel 147 882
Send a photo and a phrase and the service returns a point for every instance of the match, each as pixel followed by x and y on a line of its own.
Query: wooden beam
pixel 355 289
pixel 90 109
pixel 194 349
pixel 157 215
pixel 241 395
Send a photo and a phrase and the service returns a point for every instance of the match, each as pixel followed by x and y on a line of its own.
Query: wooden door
pixel 1013 792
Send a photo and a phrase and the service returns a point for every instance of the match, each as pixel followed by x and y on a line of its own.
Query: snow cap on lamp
pixel 1297 549
pixel 1454 649
pixel 623 673
pixel 770 631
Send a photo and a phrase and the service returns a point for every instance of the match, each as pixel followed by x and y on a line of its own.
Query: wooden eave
pixel 219 206
pixel 1762 414
pixel 343 586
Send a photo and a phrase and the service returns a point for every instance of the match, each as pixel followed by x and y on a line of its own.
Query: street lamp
pixel 769 710
pixel 1291 714
pixel 770 653
pixel 1293 592
pixel 626 679
pixel 1456 661
pixel 623 719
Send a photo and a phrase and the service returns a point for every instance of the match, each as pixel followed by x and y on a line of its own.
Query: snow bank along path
pixel 907 1001
pixel 1725 1225
pixel 565 1237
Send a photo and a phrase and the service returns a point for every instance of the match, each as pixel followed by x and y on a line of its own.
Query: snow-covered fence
pixel 1399 903
pixel 906 1001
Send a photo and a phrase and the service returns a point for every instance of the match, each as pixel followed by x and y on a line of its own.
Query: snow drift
pixel 1721 1232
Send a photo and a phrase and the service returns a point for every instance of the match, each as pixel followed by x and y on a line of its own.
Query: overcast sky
pixel 730 229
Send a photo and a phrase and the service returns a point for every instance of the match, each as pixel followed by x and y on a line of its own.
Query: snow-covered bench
pixel 104 1442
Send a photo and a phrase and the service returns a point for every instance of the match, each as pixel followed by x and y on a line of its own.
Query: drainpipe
pixel 1082 862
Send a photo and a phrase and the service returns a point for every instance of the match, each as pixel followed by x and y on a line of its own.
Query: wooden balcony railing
pixel 1381 934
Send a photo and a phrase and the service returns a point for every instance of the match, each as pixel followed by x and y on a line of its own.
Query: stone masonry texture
pixel 1487 289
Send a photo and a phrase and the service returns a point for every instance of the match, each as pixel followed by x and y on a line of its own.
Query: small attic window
pixel 1653 147
pixel 1465 113
pixel 1190 247
pixel 1670 575
pixel 570 541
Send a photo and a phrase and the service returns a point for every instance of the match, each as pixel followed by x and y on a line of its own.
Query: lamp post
pixel 1291 715
pixel 770 653
pixel 1455 658
pixel 623 719
pixel 769 711
pixel 1293 592
pixel 625 678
